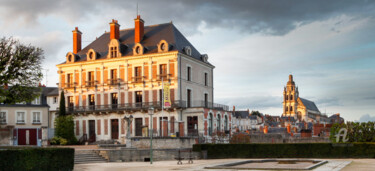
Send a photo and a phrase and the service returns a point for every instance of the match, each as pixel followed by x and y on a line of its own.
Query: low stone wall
pixel 163 142
pixel 140 155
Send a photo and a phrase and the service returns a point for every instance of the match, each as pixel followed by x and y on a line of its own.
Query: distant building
pixel 22 123
pixel 300 108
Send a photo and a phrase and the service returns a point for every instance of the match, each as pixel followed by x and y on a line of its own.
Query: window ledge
pixel 19 123
pixel 37 123
pixel 3 123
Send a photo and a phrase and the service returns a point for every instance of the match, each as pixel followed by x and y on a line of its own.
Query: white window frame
pixel 36 101
pixel 25 116
pixel 189 76
pixel 54 101
pixel 6 116
pixel 32 116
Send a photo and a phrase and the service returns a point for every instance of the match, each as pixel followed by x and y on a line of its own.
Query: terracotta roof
pixel 152 36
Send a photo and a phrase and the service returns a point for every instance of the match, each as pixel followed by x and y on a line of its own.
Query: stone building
pixel 26 123
pixel 300 108
pixel 122 72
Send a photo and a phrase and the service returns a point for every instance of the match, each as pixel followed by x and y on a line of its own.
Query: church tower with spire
pixel 290 99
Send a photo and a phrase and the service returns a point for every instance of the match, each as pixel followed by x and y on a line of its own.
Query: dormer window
pixel 91 55
pixel 204 58
pixel 138 49
pixel 113 49
pixel 70 57
pixel 163 46
pixel 187 50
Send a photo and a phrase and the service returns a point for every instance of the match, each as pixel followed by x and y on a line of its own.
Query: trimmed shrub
pixel 65 129
pixel 300 150
pixel 28 158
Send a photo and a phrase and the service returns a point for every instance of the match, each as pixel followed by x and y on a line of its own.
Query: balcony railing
pixel 138 79
pixel 70 85
pixel 164 77
pixel 143 106
pixel 90 83
pixel 113 81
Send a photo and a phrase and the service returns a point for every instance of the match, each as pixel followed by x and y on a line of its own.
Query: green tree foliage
pixel 62 111
pixel 20 69
pixel 64 125
pixel 356 131
pixel 256 113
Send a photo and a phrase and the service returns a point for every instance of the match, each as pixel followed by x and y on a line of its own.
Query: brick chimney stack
pixel 77 41
pixel 115 29
pixel 139 29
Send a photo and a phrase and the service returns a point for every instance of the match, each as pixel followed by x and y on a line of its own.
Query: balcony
pixel 164 77
pixel 113 81
pixel 138 79
pixel 70 85
pixel 90 83
pixel 143 106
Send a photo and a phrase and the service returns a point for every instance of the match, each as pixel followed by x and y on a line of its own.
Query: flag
pixel 167 95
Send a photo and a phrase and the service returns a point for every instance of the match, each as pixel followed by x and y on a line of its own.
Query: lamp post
pixel 129 121
pixel 151 112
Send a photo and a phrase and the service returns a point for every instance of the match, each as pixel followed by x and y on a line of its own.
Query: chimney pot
pixel 77 40
pixel 139 29
pixel 115 29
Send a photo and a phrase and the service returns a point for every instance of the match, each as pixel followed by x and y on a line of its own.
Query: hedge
pixel 300 150
pixel 29 158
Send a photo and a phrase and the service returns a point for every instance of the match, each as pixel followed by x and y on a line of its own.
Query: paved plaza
pixel 332 165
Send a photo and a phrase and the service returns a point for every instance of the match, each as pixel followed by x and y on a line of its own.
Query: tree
pixel 20 69
pixel 62 111
pixel 65 123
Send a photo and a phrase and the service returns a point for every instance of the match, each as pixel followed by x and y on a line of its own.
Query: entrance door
pixel 192 122
pixel 27 137
pixel 163 128
pixel 138 126
pixel 92 135
pixel 114 128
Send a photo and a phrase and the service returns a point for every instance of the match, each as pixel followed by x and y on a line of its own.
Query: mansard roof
pixel 152 36
pixel 309 105
pixel 241 114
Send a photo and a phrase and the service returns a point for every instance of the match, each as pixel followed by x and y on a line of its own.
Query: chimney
pixel 76 40
pixel 115 29
pixel 139 29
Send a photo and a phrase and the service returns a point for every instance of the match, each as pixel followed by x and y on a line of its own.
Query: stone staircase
pixel 87 156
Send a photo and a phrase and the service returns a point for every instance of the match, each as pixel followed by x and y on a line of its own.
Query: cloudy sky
pixel 329 46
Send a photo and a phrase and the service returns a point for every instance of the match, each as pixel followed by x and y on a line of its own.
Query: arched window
pixel 291 97
pixel 218 122
pixel 286 109
pixel 210 124
pixel 291 108
pixel 286 97
pixel 225 123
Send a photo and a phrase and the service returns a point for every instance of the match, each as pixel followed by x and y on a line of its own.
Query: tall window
pixel 113 76
pixel 20 117
pixel 92 101
pixel 291 108
pixel 210 124
pixel 54 100
pixel 113 52
pixel 36 101
pixel 189 73
pixel 91 78
pixel 3 117
pixel 218 122
pixel 138 74
pixel 205 79
pixel 70 103
pixel 138 98
pixel 291 97
pixel 188 98
pixel 114 100
pixel 163 71
pixel 226 123
pixel 192 125
pixel 36 117
pixel 206 100
pixel 286 97
pixel 161 97
pixel 70 80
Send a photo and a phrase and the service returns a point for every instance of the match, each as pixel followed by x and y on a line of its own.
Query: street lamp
pixel 129 121
pixel 151 112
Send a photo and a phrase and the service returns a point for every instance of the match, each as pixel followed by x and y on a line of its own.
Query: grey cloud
pixel 366 118
pixel 268 17
pixel 253 102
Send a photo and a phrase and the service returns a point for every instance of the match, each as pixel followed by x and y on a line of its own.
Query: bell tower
pixel 290 99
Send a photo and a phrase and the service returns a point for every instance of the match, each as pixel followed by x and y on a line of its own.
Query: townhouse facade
pixel 124 73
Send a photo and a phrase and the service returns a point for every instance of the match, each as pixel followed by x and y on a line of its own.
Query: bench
pixel 179 157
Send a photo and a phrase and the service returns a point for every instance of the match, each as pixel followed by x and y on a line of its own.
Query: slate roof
pixel 53 92
pixel 309 105
pixel 241 114
pixel 152 36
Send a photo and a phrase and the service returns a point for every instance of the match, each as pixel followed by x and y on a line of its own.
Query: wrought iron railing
pixel 144 106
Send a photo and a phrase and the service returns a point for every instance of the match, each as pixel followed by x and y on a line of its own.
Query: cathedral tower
pixel 290 99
